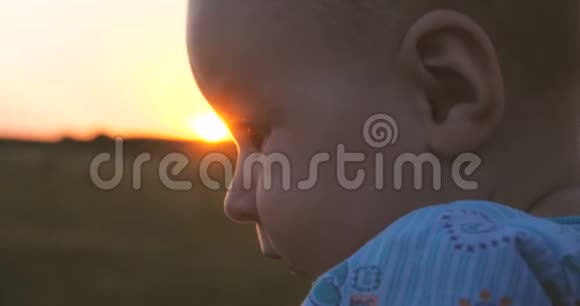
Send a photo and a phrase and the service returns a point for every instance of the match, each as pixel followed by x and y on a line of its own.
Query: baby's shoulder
pixel 472 226
pixel 453 253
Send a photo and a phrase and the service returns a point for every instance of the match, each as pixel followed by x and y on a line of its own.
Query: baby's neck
pixel 560 203
pixel 543 177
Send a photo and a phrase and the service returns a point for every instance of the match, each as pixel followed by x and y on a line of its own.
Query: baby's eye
pixel 257 136
pixel 251 134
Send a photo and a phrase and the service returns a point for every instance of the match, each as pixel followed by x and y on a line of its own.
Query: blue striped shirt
pixel 467 253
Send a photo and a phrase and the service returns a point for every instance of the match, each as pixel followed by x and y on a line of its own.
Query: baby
pixel 469 196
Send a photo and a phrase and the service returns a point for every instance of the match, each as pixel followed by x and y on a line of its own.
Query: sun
pixel 209 127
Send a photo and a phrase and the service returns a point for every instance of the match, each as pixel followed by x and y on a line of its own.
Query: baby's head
pixel 301 80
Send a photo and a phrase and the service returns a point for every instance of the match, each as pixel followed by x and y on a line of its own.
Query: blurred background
pixel 75 74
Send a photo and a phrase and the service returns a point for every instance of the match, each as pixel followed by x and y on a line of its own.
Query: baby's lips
pixel 266 244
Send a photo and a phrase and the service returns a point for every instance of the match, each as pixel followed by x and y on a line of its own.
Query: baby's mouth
pixel 266 244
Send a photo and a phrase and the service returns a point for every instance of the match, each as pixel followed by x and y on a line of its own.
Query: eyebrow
pixel 230 90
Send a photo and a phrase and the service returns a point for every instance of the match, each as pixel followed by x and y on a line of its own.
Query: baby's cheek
pixel 302 223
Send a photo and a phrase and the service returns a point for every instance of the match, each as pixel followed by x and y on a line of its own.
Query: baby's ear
pixel 454 68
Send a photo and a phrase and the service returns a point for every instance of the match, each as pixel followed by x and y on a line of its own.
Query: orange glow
pixel 118 78
pixel 209 127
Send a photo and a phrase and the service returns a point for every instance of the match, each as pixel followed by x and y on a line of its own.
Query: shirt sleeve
pixel 468 253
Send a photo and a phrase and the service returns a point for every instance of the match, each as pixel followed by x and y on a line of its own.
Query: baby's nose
pixel 240 205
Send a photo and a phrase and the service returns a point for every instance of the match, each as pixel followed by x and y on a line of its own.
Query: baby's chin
pixel 269 250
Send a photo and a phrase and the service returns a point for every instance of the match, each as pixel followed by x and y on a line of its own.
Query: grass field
pixel 65 242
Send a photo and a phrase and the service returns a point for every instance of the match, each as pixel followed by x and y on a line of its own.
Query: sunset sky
pixel 81 67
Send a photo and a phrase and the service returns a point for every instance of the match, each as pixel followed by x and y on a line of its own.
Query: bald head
pixel 536 40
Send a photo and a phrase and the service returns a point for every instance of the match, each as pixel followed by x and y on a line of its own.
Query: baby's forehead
pixel 257 31
pixel 240 48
